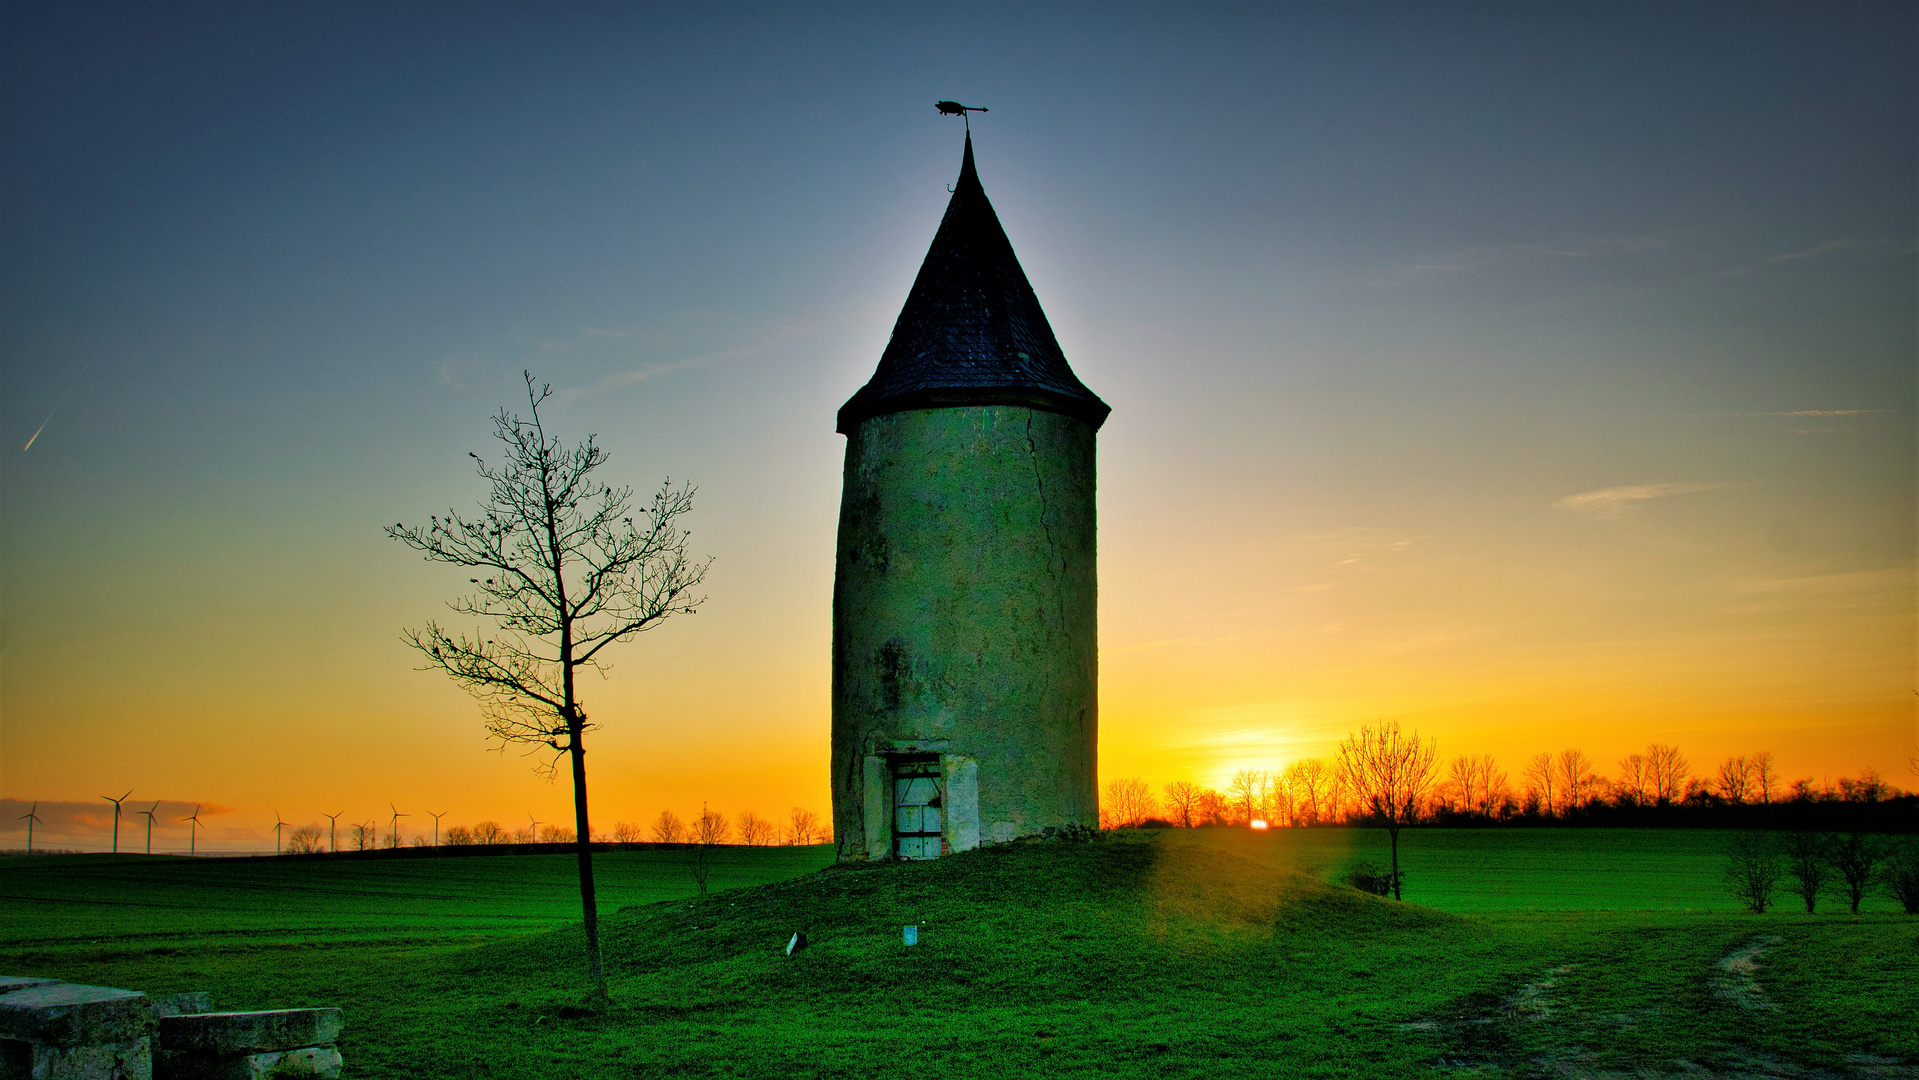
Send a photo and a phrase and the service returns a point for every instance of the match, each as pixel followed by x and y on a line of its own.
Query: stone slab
pixel 69 1014
pixel 125 1061
pixel 197 1001
pixel 305 1063
pixel 226 1033
pixel 10 983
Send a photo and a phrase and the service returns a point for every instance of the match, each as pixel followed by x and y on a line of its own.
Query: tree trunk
pixel 1393 832
pixel 583 840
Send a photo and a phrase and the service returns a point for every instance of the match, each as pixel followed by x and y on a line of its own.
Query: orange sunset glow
pixel 1504 405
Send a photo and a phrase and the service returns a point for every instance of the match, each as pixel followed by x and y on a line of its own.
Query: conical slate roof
pixel 972 332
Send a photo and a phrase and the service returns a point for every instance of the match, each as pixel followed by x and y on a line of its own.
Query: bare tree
pixel 1578 783
pixel 1542 784
pixel 1181 795
pixel 1753 868
pixel 1209 807
pixel 1734 782
pixel 802 827
pixel 365 835
pixel 1634 786
pixel 1901 874
pixel 1311 784
pixel 1855 857
pixel 1668 772
pixel 562 572
pixel 625 832
pixel 755 831
pixel 1389 773
pixel 1762 776
pixel 489 833
pixel 1245 792
pixel 1805 865
pixel 1128 802
pixel 708 832
pixel 668 828
pixel 304 840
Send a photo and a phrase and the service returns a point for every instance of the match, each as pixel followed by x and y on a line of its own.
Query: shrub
pixel 1753 867
pixel 1370 877
pixel 1901 874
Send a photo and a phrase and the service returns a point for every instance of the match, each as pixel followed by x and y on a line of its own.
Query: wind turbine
pixel 393 830
pixel 536 828
pixel 436 824
pixel 30 817
pixel 149 813
pixel 277 826
pixel 116 817
pixel 193 829
pixel 333 822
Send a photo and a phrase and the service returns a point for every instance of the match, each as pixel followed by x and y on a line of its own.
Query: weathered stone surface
pixel 125 1061
pixel 198 1001
pixel 69 1014
pixel 250 1032
pixel 305 1063
pixel 10 983
pixel 965 623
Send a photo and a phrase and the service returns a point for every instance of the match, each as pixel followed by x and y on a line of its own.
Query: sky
pixel 1536 375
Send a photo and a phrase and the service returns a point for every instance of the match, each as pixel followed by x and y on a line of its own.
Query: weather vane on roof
pixel 954 108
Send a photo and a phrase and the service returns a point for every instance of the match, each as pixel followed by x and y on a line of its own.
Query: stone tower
pixel 965 609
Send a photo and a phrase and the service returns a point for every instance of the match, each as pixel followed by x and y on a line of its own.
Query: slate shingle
pixel 972 332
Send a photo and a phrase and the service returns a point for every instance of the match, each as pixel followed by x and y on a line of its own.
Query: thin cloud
pixel 779 335
pixel 1613 502
pixel 1815 252
pixel 1820 412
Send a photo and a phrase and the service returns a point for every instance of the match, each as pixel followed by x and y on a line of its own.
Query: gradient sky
pixel 1540 375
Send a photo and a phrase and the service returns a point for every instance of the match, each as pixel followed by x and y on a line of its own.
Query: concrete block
pixel 226 1033
pixel 198 1001
pixel 68 1014
pixel 305 1063
pixel 27 1061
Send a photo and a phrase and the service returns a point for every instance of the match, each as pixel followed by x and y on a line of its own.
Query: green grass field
pixel 1203 954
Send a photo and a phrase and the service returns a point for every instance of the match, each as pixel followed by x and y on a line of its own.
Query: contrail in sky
pixel 55 409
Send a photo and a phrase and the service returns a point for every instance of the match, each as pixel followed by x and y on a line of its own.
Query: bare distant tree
pixel 1753 868
pixel 1209 807
pixel 365 835
pixel 1245 792
pixel 561 572
pixel 1762 776
pixel 668 829
pixel 708 832
pixel 1577 782
pixel 1128 802
pixel 626 833
pixel 489 833
pixel 1734 782
pixel 556 834
pixel 1634 786
pixel 1668 771
pixel 1389 773
pixel 1542 784
pixel 1181 795
pixel 755 831
pixel 1869 787
pixel 1805 865
pixel 1475 785
pixel 305 840
pixel 1901 874
pixel 802 827
pixel 1311 784
pixel 1854 858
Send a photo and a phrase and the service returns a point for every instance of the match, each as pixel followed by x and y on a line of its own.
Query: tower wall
pixel 965 622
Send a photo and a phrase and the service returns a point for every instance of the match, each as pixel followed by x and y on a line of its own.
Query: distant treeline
pixel 709 829
pixel 1656 789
